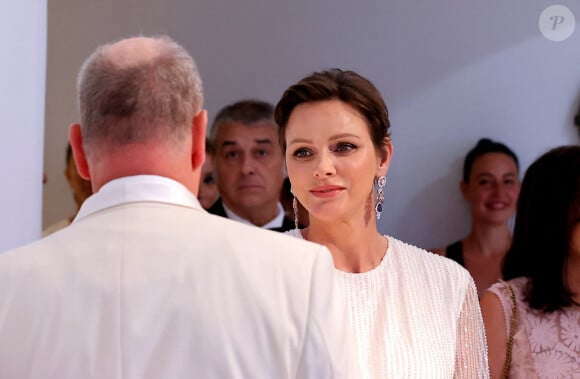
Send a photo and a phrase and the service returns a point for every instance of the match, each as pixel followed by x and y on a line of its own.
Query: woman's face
pixel 208 192
pixel 331 160
pixel 493 188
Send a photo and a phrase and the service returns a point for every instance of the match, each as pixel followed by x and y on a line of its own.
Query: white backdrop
pixel 22 84
pixel 450 71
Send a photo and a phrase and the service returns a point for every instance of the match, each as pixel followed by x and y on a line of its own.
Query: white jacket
pixel 146 284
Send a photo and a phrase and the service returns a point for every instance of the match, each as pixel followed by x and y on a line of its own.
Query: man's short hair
pixel 247 112
pixel 209 147
pixel 153 99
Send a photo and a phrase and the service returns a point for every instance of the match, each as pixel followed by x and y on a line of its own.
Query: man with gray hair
pixel 249 165
pixel 145 283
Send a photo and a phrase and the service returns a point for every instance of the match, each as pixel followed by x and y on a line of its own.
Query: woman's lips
pixel 497 205
pixel 326 191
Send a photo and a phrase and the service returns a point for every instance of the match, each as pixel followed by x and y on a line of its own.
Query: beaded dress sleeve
pixel 471 356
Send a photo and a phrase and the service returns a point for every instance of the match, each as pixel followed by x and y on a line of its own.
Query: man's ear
pixel 198 130
pixel 385 158
pixel 76 142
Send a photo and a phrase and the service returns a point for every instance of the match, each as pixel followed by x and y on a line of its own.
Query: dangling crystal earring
pixel 381 181
pixel 294 208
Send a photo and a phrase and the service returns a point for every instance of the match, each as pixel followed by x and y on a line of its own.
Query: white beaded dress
pixel 415 315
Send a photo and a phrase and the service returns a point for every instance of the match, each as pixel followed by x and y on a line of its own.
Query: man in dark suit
pixel 249 165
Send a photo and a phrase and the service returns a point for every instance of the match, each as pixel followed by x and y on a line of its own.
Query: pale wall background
pixel 22 80
pixel 450 71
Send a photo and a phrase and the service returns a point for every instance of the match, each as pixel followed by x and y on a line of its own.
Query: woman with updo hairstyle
pixel 413 314
pixel 490 185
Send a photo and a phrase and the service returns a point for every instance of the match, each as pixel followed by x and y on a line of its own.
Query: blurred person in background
pixel 249 165
pixel 532 318
pixel 208 191
pixel 80 187
pixel 490 185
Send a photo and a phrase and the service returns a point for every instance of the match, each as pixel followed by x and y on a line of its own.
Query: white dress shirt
pixel 276 222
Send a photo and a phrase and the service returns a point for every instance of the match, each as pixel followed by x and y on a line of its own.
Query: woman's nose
pixel 325 166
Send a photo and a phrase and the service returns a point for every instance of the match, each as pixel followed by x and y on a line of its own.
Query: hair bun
pixel 484 142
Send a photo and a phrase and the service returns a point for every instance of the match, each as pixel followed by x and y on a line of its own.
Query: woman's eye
pixel 302 153
pixel 345 147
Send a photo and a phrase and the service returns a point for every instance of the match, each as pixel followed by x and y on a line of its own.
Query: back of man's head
pixel 138 100
pixel 137 90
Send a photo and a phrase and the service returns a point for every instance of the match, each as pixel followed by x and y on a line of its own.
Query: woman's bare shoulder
pixel 438 251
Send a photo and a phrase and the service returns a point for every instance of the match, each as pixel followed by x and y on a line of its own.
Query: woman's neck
pixel 487 239
pixel 354 247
